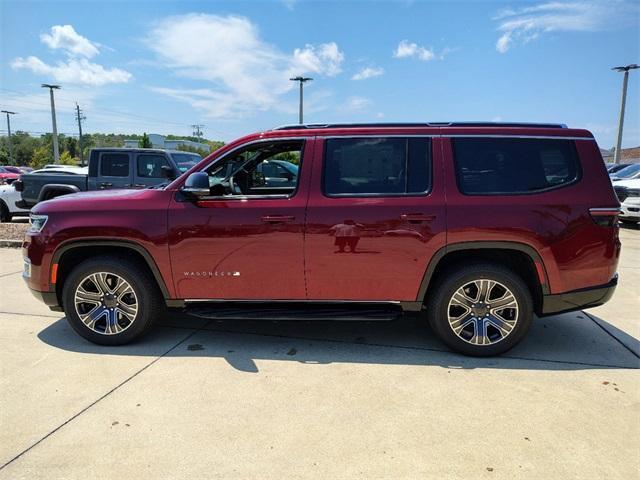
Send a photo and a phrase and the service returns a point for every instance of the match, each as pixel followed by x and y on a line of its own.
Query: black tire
pixel 149 301
pixel 5 214
pixel 457 277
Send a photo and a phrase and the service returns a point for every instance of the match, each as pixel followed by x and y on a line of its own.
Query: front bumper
pixel 578 299
pixel 50 299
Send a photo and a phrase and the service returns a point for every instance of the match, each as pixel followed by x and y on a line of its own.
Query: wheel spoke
pixel 479 332
pixel 502 325
pixel 506 301
pixel 84 295
pixel 461 299
pixel 112 322
pixel 484 289
pixel 93 316
pixel 100 281
pixel 461 323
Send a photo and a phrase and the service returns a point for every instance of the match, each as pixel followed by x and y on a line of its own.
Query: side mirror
pixel 197 184
pixel 169 172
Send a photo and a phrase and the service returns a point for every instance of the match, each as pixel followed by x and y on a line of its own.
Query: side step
pixel 285 311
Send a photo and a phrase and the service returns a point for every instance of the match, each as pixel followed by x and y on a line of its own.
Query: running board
pixel 296 311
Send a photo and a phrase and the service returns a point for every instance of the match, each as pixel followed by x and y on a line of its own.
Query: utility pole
pixel 197 131
pixel 56 152
pixel 625 69
pixel 9 133
pixel 80 117
pixel 302 80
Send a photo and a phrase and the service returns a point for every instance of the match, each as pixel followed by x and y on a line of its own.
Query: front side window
pixel 377 166
pixel 262 169
pixel 150 165
pixel 114 165
pixel 184 161
pixel 488 166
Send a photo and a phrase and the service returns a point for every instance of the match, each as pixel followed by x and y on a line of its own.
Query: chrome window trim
pixel 538 137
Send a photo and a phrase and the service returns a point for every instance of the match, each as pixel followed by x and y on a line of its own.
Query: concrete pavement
pixel 208 399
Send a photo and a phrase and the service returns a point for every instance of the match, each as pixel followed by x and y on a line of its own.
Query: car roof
pixel 127 149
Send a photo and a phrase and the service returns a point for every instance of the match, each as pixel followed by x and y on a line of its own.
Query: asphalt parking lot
pixel 251 400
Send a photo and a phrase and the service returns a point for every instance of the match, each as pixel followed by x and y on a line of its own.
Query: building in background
pixel 627 155
pixel 160 141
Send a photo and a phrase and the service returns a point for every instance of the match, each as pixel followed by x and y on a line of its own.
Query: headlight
pixel 37 223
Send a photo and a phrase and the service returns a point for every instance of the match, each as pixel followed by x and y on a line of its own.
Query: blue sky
pixel 159 66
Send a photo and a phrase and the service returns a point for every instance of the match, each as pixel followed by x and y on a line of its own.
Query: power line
pixel 9 130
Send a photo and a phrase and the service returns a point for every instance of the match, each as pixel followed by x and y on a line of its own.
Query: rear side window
pixel 377 166
pixel 151 165
pixel 513 165
pixel 114 165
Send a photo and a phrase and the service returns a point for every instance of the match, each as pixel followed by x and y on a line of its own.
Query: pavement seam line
pixel 32 314
pixel 611 335
pixel 382 345
pixel 12 273
pixel 99 399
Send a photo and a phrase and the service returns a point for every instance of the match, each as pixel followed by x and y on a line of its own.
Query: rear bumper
pixel 578 299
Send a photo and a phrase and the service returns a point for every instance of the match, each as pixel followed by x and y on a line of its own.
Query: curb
pixel 10 243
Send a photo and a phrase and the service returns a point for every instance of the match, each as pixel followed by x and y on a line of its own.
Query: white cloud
pixel 528 23
pixel 407 49
pixel 368 72
pixel 357 103
pixel 77 71
pixel 243 72
pixel 289 4
pixel 325 59
pixel 66 38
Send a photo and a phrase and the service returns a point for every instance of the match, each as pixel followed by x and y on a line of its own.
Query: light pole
pixel 616 158
pixel 9 133
pixel 56 152
pixel 302 80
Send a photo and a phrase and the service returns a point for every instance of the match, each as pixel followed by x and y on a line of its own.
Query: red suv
pixel 478 226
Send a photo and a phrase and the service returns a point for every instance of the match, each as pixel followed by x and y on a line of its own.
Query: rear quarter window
pixel 504 166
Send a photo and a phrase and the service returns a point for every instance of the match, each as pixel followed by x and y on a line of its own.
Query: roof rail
pixel 417 125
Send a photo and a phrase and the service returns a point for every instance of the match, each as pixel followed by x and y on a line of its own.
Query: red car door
pixel 376 216
pixel 241 247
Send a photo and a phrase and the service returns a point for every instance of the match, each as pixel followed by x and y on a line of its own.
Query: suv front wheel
pixel 111 300
pixel 480 309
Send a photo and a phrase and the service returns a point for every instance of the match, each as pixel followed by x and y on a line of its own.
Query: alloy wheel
pixel 483 312
pixel 106 303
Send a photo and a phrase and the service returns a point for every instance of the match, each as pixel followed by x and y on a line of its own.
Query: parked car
pixel 501 215
pixel 7 176
pixel 614 167
pixel 109 168
pixel 628 192
pixel 8 209
pixel 627 173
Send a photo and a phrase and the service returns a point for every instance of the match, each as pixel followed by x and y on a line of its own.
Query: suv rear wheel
pixel 481 309
pixel 110 300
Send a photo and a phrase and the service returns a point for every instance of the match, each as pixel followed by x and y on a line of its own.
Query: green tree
pixel 41 156
pixel 71 146
pixel 67 159
pixel 189 148
pixel 145 142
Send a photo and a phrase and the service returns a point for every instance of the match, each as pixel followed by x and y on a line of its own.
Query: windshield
pixel 184 161
pixel 628 172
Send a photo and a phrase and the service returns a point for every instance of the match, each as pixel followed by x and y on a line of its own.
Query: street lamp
pixel 56 152
pixel 302 80
pixel 616 158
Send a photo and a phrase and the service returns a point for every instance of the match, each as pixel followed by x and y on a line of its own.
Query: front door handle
pixel 277 218
pixel 416 217
pixel 106 185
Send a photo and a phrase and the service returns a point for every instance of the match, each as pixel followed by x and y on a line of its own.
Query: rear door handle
pixel 416 217
pixel 277 218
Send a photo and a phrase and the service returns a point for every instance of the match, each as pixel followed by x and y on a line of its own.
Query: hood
pixel 633 183
pixel 103 200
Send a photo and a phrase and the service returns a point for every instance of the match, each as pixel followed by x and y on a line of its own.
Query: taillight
pixel 605 217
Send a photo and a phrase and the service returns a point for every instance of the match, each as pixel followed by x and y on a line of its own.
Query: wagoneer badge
pixel 210 274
